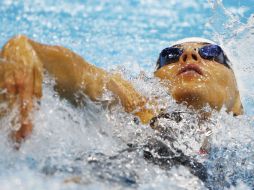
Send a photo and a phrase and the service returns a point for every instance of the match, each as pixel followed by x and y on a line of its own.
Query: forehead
pixel 190 45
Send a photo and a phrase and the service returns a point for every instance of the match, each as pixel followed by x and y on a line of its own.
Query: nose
pixel 190 55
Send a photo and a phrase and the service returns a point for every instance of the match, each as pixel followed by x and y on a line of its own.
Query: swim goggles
pixel 172 54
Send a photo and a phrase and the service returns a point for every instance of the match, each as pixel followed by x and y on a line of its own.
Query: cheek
pixel 222 81
pixel 167 72
pixel 221 76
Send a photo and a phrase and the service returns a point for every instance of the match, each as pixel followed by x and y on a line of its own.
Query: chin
pixel 193 96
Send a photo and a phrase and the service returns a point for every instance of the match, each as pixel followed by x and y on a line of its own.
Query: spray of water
pixel 94 146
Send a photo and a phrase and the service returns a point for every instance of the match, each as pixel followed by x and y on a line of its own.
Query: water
pixel 88 145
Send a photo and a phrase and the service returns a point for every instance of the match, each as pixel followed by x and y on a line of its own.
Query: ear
pixel 237 109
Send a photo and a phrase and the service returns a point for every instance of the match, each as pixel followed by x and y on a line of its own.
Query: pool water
pixel 87 147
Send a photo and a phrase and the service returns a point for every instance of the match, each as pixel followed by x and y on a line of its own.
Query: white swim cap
pixel 193 39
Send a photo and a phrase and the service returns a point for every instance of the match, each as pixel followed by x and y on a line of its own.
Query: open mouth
pixel 190 68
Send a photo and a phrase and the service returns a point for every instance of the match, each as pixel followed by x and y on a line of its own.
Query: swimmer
pixel 195 71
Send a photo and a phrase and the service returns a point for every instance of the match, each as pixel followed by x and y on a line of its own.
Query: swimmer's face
pixel 198 81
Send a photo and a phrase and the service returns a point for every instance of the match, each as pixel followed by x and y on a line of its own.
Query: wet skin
pixel 192 79
pixel 199 81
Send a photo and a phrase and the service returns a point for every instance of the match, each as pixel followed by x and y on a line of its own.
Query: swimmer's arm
pixel 73 73
pixel 131 100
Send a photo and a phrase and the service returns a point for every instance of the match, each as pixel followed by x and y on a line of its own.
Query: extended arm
pixel 73 73
pixel 21 73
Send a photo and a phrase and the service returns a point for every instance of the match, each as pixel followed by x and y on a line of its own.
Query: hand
pixel 17 83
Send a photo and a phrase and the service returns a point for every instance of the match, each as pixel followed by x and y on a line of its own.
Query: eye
pixel 168 56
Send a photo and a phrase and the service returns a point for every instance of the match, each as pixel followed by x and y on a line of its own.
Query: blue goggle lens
pixel 214 52
pixel 168 56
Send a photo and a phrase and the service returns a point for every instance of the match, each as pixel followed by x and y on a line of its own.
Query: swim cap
pixel 193 39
